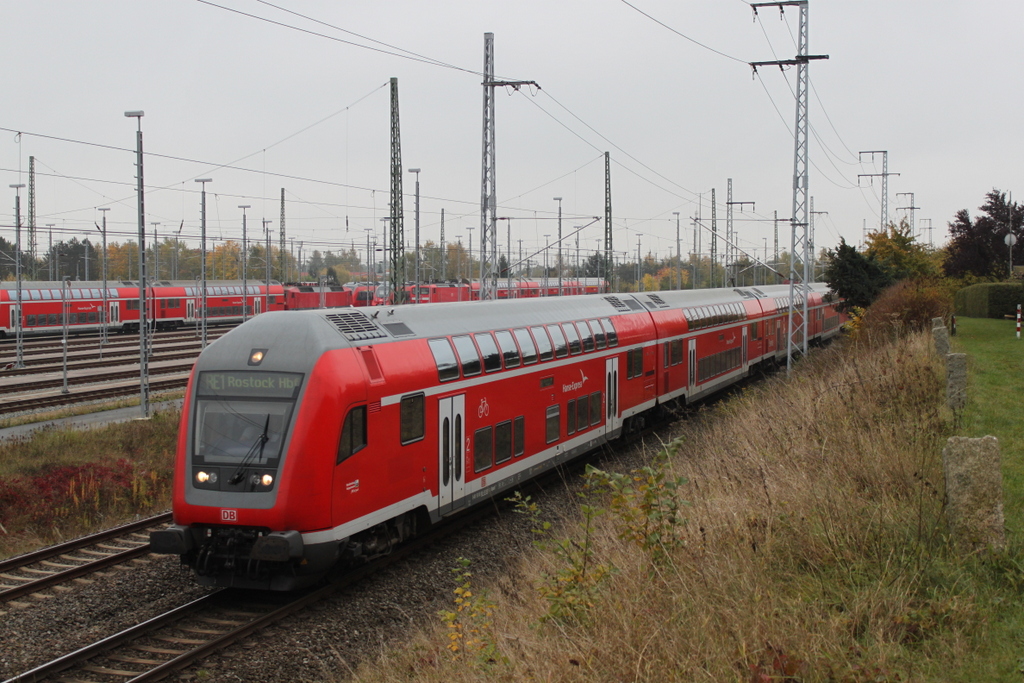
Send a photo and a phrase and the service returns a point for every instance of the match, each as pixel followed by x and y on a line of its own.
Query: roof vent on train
pixel 617 303
pixel 760 294
pixel 355 326
pixel 398 329
pixel 656 301
pixel 746 294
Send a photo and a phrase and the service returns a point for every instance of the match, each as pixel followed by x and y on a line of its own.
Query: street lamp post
pixel 19 332
pixel 266 255
pixel 470 231
pixel 156 253
pixel 546 244
pixel 245 274
pixel 143 342
pixel 679 262
pixel 416 250
pixel 202 265
pixel 64 285
pixel 559 200
pixel 106 311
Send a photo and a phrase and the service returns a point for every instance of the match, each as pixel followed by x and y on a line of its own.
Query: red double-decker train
pixel 86 307
pixel 320 436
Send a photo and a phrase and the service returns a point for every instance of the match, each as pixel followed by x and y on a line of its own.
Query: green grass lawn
pixel 996 377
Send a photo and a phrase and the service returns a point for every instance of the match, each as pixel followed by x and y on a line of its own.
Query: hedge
pixel 989 300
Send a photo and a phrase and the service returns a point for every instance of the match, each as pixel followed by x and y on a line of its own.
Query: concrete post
pixel 974 492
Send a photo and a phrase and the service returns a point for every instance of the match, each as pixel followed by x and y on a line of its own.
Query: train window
pixel 492 359
pixel 753 331
pixel 595 408
pixel 30 320
pixel 411 418
pixel 444 359
pixel 46 294
pixel 677 352
pixel 599 340
pixel 573 336
pixel 483 449
pixel 91 317
pixel 73 319
pixel 503 442
pixel 609 331
pixel 353 433
pixel 468 355
pixel 519 435
pixel 558 337
pixel 526 345
pixel 570 417
pixel 51 319
pixel 543 343
pixel 634 363
pixel 509 352
pixel 582 412
pixel 553 423
pixel 666 353
pixel 586 336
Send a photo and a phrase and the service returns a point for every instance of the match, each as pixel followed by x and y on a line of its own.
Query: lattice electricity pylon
pixel 397 227
pixel 488 196
pixel 797 328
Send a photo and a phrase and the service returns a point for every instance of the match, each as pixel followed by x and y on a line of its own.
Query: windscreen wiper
pixel 256 448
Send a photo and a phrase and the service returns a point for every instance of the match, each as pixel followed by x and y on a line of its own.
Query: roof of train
pixel 303 336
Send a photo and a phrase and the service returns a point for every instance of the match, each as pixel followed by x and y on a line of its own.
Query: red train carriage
pixel 169 304
pixel 327 435
pixel 304 296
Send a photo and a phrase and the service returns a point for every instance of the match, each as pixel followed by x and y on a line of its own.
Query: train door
pixel 190 310
pixel 257 303
pixel 611 390
pixel 691 364
pixel 115 313
pixel 14 317
pixel 451 442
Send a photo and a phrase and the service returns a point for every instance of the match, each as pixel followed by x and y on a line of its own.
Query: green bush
pixel 989 299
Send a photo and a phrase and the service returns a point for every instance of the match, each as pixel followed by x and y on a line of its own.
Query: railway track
pixel 52 566
pixel 92 377
pixel 155 648
pixel 56 399
pixel 45 345
pixel 78 360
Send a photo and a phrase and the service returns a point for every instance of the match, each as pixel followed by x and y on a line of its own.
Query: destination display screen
pixel 250 384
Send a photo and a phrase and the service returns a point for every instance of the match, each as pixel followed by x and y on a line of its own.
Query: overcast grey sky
pixel 935 83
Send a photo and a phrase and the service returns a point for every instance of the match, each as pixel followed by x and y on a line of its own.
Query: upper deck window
pixel 468 355
pixel 526 345
pixel 509 352
pixel 492 359
pixel 444 359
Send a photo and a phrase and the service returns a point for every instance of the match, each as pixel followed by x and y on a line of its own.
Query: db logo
pixel 229 515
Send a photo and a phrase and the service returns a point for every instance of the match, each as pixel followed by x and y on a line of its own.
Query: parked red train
pixel 173 304
pixel 170 304
pixel 318 436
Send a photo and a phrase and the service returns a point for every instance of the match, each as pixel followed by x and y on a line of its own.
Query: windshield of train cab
pixel 243 416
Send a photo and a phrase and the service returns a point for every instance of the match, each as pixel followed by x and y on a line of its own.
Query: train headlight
pixel 204 477
pixel 267 480
pixel 256 356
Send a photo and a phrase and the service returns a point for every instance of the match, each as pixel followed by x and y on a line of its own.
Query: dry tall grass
pixel 812 549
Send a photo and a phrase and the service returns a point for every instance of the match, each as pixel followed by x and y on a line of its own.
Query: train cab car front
pixel 244 492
